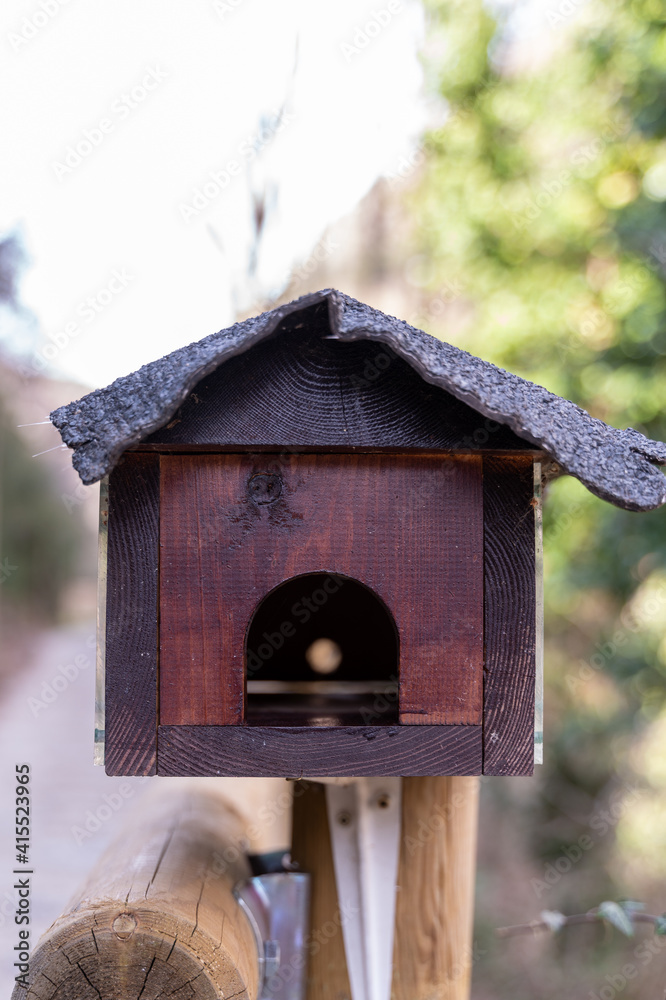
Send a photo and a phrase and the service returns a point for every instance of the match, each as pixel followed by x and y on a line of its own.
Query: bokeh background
pixel 495 173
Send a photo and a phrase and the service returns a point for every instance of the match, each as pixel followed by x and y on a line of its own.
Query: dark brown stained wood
pixel 299 389
pixel 252 751
pixel 131 617
pixel 509 557
pixel 216 449
pixel 311 851
pixel 444 684
pixel 408 527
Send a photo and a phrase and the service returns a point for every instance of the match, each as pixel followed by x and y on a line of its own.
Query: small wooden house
pixel 322 549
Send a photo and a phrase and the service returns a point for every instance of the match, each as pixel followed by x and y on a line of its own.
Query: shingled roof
pixel 618 465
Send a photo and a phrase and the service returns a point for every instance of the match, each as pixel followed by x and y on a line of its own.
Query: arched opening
pixel 321 650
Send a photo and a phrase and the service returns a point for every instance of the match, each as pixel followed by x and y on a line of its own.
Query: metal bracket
pixel 364 817
pixel 277 906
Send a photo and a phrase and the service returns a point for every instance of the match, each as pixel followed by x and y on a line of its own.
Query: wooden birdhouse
pixel 323 548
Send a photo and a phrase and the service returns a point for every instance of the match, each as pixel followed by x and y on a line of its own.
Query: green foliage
pixel 544 197
pixel 542 203
pixel 38 538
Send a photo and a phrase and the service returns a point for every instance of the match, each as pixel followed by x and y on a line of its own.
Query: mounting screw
pixel 383 800
pixel 344 818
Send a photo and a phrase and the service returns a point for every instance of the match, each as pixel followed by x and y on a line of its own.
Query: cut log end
pixel 96 962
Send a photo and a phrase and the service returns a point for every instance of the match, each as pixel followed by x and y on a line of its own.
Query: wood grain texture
pixel 432 955
pixel 252 751
pixel 509 560
pixel 406 526
pixel 299 389
pixel 131 617
pixel 441 680
pixel 157 916
pixel 311 851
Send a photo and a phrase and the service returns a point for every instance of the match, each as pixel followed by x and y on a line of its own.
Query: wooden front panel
pixel 407 526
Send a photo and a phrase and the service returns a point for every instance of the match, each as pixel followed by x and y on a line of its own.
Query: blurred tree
pixel 19 330
pixel 542 202
pixel 39 541
pixel 12 257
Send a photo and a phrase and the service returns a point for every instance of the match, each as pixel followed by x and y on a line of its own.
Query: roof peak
pixel 618 465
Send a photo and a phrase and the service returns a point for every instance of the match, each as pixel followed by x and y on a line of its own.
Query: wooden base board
pixel 290 751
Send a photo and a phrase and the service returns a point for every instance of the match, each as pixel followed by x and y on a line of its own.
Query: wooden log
pixel 433 951
pixel 157 916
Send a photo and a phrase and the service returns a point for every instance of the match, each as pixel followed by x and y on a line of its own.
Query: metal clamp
pixel 277 906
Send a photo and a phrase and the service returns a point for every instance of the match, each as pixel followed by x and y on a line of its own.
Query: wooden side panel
pixel 509 558
pixel 131 617
pixel 407 526
pixel 252 751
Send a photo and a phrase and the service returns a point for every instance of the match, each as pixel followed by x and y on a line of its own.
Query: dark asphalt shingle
pixel 618 465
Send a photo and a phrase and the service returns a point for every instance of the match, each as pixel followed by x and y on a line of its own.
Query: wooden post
pixel 157 915
pixel 311 851
pixel 435 899
pixel 432 956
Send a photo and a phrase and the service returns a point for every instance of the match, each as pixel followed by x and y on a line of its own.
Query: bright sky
pixel 114 114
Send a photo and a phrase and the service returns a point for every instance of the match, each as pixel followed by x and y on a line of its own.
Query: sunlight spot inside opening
pixel 324 656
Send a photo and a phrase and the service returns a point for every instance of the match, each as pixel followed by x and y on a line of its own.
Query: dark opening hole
pixel 322 650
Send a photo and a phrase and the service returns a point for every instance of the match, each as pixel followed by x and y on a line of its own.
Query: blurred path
pixel 46 720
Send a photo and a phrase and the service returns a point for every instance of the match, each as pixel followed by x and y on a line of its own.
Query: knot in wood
pixel 124 926
pixel 265 488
